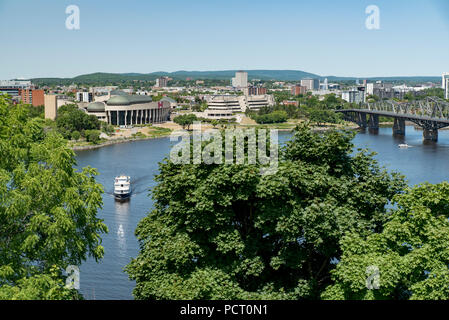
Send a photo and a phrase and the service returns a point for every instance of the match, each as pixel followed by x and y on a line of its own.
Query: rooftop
pixel 125 100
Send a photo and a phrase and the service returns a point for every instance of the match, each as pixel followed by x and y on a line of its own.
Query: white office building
pixel 234 103
pixel 444 78
pixel 446 90
pixel 18 84
pixel 353 96
pixel 240 80
pixel 311 84
pixel 84 96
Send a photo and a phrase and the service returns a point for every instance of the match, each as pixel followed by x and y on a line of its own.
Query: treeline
pixel 300 107
pixel 277 116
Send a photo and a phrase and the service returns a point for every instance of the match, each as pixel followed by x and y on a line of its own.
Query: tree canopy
pixel 224 231
pixel 70 118
pixel 411 254
pixel 185 120
pixel 48 210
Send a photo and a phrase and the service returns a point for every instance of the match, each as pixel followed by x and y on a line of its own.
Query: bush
pixel 92 136
pixel 76 135
pixel 274 117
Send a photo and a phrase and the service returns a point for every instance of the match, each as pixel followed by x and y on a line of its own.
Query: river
pixel 107 280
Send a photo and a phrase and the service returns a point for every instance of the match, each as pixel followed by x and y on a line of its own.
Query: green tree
pixel 48 210
pixel 227 232
pixel 411 253
pixel 76 135
pixel 185 120
pixel 323 116
pixel 92 136
pixel 70 118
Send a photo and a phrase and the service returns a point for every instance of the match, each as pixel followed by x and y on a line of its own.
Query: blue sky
pixel 325 37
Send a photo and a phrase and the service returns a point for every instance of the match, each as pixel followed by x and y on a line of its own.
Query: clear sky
pixel 326 37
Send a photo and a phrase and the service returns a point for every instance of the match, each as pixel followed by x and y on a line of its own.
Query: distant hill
pixel 281 75
pixel 286 75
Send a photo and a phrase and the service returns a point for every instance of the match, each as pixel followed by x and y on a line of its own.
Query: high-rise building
pixel 162 82
pixel 32 96
pixel 311 84
pixel 254 91
pixel 353 96
pixel 240 80
pixel 446 89
pixel 444 77
pixel 51 106
pixel 297 89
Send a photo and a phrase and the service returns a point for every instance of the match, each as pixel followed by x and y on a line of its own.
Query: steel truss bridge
pixel 430 114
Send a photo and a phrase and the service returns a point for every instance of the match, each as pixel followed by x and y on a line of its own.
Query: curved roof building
pixel 130 110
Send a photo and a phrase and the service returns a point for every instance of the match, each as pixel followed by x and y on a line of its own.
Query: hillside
pixel 281 75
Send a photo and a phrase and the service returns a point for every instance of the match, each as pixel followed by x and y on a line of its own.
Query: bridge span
pixel 430 114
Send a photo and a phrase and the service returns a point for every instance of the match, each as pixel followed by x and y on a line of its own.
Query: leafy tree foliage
pixel 71 119
pixel 47 209
pixel 411 253
pixel 92 136
pixel 76 135
pixel 185 120
pixel 273 117
pixel 324 116
pixel 227 232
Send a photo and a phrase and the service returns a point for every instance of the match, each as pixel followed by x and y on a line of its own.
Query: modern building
pixel 216 114
pixel 384 90
pixel 231 103
pixel 324 85
pixel 51 106
pixel 298 89
pixel 444 78
pixel 254 91
pixel 162 82
pixel 130 110
pixel 240 80
pixel 234 103
pixel 22 84
pixel 12 87
pixel 311 84
pixel 256 102
pixel 353 96
pixel 446 89
pixel 32 96
pixel 84 96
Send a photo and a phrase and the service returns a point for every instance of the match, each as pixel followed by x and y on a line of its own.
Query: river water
pixel 107 280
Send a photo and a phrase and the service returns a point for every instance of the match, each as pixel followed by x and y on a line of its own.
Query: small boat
pixel 122 187
pixel 403 145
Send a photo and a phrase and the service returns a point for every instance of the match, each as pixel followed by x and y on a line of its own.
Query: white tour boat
pixel 122 187
pixel 403 145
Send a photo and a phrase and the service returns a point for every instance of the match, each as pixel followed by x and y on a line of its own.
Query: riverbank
pixel 164 130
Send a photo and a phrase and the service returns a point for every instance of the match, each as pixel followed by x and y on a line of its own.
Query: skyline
pixel 173 36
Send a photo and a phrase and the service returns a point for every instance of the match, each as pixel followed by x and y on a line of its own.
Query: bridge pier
pixel 399 127
pixel 430 134
pixel 373 123
pixel 361 120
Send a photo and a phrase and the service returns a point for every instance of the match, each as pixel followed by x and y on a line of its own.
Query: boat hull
pixel 122 196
